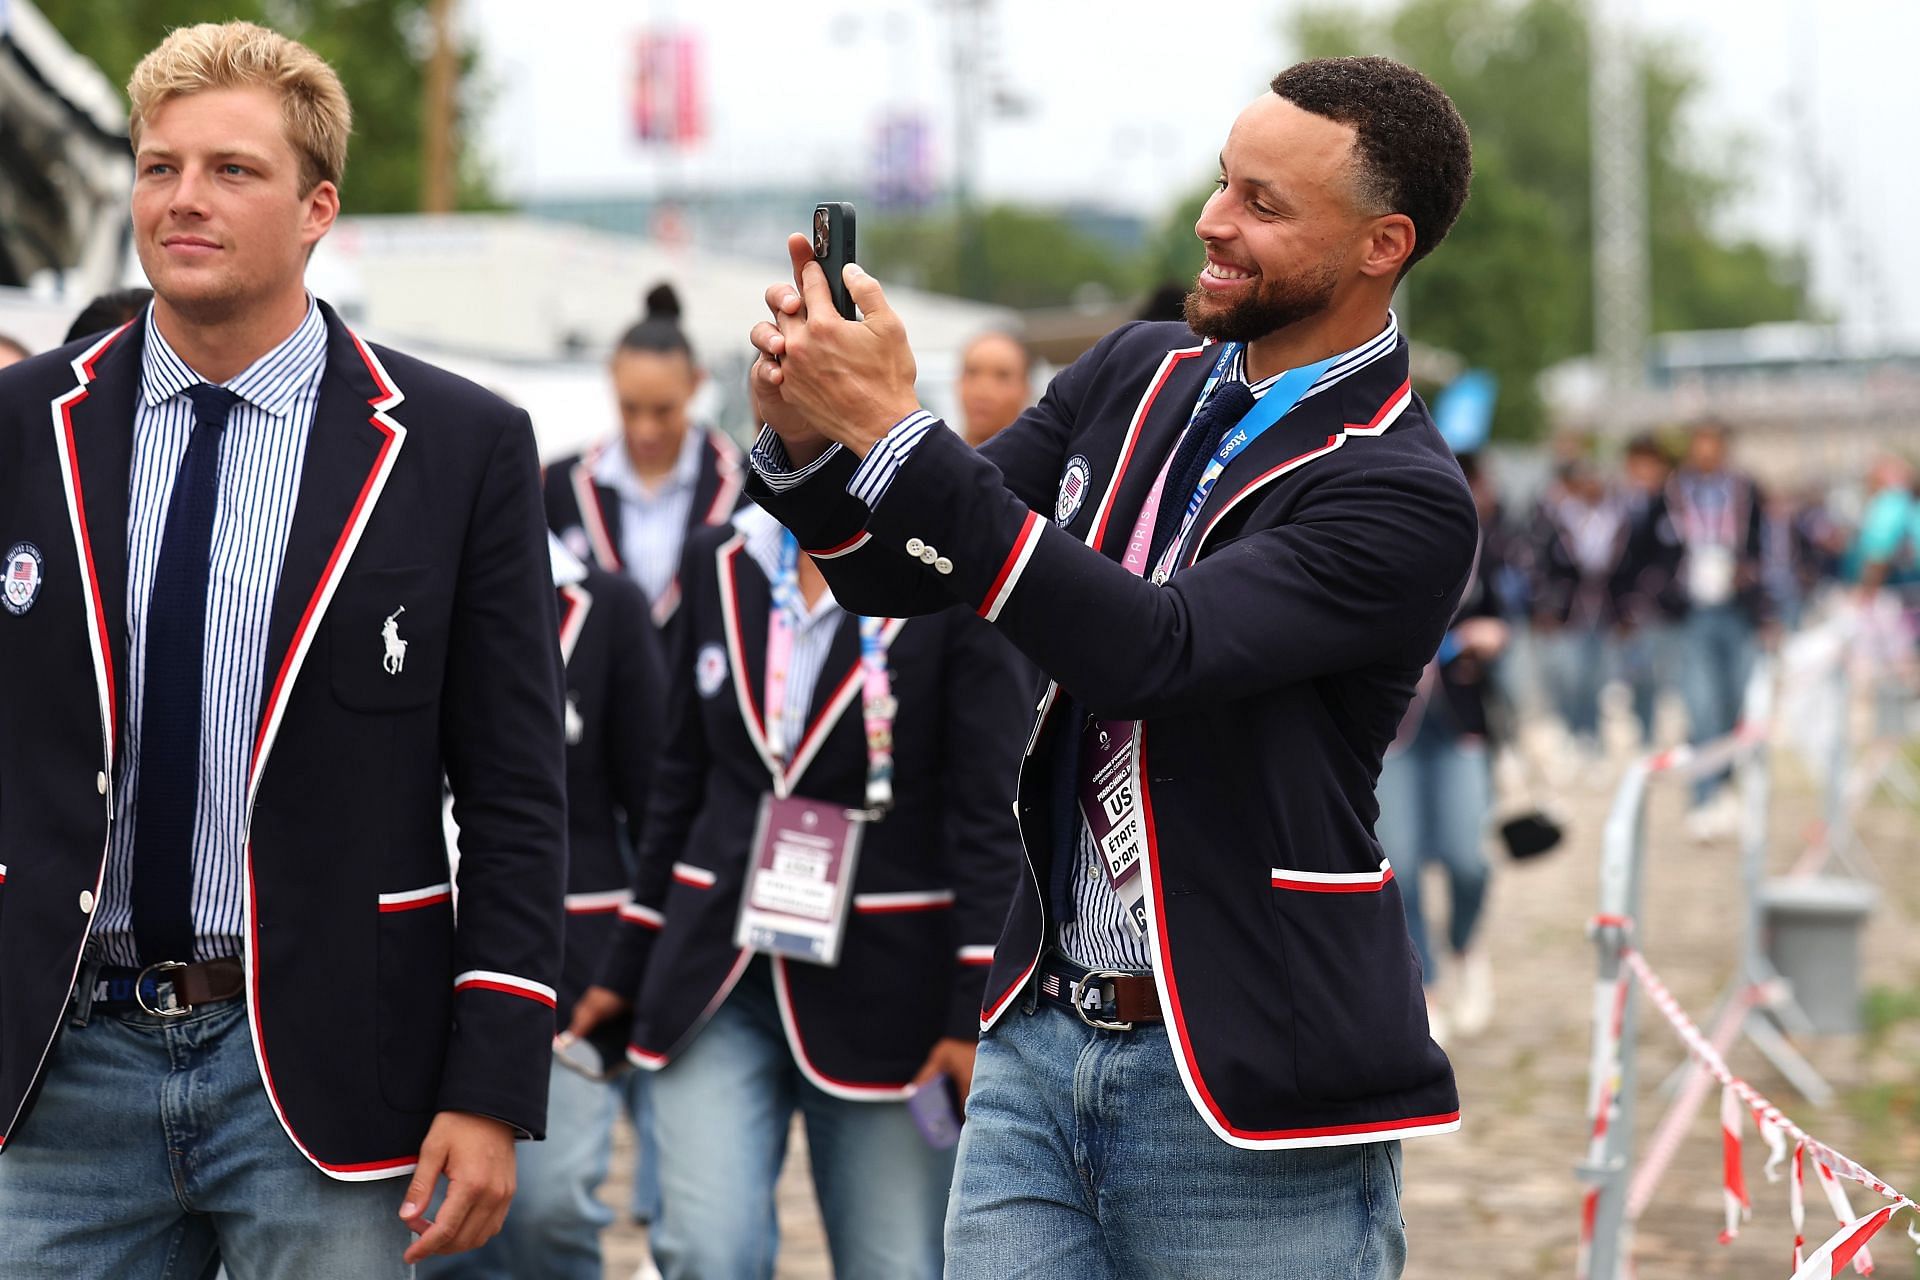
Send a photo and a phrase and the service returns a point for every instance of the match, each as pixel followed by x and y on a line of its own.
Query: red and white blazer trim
pixel 846 548
pixel 488 980
pixel 1334 881
pixel 1388 414
pixel 414 899
pixel 645 917
pixel 1009 577
pixel 698 877
pixel 592 519
pixel 893 903
pixel 975 955
pixel 603 903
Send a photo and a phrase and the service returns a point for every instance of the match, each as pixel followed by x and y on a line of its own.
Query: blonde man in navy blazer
pixel 267 585
pixel 1233 544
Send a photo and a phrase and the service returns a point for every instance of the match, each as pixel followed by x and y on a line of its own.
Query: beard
pixel 1271 304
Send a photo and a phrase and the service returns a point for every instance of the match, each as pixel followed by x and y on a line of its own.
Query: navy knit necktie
pixel 1225 407
pixel 176 631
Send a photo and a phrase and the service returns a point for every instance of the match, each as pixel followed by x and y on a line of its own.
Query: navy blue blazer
pixel 616 703
pixel 933 878
pixel 369 1007
pixel 1267 678
pixel 586 514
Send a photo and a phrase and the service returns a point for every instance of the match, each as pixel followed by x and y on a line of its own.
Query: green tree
pixel 1028 257
pixel 1512 290
pixel 379 47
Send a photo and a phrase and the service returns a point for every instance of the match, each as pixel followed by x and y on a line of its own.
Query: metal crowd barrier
pixel 1756 1005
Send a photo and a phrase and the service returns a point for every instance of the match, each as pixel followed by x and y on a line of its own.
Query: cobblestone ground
pixel 1499 1200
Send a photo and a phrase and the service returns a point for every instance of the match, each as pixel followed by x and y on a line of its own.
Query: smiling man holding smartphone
pixel 1233 544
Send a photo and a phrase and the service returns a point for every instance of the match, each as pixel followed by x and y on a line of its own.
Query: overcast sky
pixel 1129 100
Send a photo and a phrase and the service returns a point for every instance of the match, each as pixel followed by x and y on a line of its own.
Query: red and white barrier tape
pixel 1849 1244
pixel 1690 760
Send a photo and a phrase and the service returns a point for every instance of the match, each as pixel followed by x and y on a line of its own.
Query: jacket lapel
pixel 350 452
pixel 837 689
pixel 93 419
pixel 1158 419
pixel 716 492
pixel 1364 404
pixel 744 601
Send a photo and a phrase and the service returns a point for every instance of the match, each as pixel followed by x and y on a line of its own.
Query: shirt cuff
pixel 772 464
pixel 875 473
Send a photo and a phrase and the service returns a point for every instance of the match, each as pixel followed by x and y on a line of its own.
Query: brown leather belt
pixel 168 990
pixel 1104 998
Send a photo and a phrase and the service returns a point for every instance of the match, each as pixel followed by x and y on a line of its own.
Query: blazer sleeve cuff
pixel 969 993
pixel 500 1056
pixel 625 962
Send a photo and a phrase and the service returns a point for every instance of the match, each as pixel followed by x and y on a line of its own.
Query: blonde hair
pixel 232 55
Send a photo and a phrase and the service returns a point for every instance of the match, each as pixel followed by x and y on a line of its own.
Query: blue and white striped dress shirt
pixel 261 454
pixel 812 639
pixel 653 522
pixel 1100 937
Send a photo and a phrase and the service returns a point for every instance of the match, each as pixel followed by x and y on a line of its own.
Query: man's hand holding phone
pixel 820 378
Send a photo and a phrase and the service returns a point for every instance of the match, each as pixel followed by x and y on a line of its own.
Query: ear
pixel 323 206
pixel 1390 242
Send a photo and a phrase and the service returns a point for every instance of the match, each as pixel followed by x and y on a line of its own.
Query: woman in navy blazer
pixel 739 1041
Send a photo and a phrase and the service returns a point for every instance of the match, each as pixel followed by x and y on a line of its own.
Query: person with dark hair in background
pixel 12 351
pixel 778 693
pixel 1716 516
pixel 1235 560
pixel 1167 301
pixel 628 504
pixel 109 311
pixel 616 699
pixel 1580 533
pixel 996 372
pixel 1647 608
pixel 1436 786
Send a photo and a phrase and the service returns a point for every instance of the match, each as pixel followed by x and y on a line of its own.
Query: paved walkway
pixel 1499 1201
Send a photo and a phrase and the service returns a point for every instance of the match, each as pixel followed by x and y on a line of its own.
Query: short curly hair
pixel 1411 148
pixel 231 55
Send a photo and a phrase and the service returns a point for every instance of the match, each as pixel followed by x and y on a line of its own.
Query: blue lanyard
pixel 786 581
pixel 1267 410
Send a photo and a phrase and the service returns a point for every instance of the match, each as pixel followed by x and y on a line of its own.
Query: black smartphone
pixel 833 248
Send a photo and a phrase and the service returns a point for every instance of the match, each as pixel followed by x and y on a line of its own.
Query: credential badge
pixel 1073 490
pixel 24 571
pixel 710 670
pixel 396 659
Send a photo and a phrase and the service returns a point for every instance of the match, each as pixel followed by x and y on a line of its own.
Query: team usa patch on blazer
pixel 24 570
pixel 1073 490
pixel 710 670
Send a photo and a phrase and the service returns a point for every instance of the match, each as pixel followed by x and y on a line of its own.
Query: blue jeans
pixel 722 1110
pixel 553 1227
pixel 153 1154
pixel 1646 664
pixel 1717 658
pixel 1082 1156
pixel 1573 666
pixel 1434 799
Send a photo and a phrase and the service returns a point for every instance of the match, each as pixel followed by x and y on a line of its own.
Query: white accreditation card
pixel 800 884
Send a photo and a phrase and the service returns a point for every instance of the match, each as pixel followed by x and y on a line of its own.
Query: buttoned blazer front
pixel 1268 677
pixel 933 877
pixel 586 514
pixel 369 1009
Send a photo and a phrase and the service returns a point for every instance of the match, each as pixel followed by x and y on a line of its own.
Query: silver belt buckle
pixel 1079 997
pixel 174 1009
